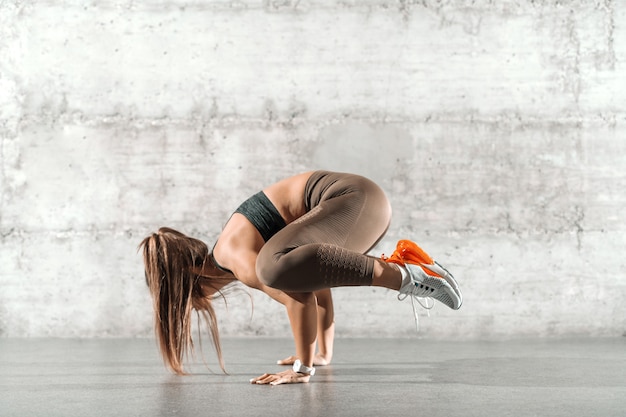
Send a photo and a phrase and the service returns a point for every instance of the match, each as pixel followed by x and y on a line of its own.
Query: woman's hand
pixel 285 377
pixel 318 360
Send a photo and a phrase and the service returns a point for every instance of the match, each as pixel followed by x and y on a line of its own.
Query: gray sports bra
pixel 263 215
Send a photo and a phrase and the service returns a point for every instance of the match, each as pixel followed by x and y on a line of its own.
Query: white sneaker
pixel 417 283
pixel 423 277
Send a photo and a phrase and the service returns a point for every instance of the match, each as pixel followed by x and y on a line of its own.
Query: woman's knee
pixel 271 267
pixel 266 271
pixel 287 271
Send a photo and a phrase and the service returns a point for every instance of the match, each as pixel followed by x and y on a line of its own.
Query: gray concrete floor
pixel 380 377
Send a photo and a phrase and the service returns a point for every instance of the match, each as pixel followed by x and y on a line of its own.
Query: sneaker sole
pixel 442 272
pixel 443 292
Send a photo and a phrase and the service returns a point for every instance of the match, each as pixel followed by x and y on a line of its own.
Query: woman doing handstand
pixel 294 241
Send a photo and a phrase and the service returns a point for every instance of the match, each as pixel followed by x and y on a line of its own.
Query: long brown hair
pixel 172 264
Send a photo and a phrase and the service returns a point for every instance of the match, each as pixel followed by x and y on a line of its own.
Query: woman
pixel 294 241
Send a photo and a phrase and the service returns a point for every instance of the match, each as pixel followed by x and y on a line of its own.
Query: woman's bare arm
pixel 325 331
pixel 302 312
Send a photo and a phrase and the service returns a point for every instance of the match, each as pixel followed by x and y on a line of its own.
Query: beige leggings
pixel 346 216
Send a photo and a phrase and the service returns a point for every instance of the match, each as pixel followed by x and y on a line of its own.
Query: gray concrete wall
pixel 496 128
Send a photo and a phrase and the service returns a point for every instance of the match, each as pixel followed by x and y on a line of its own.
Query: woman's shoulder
pixel 237 247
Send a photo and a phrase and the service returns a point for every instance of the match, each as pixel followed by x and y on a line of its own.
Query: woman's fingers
pixel 320 360
pixel 259 378
pixel 285 377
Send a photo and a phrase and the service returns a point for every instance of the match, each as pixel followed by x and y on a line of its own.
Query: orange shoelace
pixel 408 252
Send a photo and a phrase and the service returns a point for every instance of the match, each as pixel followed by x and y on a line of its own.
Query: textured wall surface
pixel 496 128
